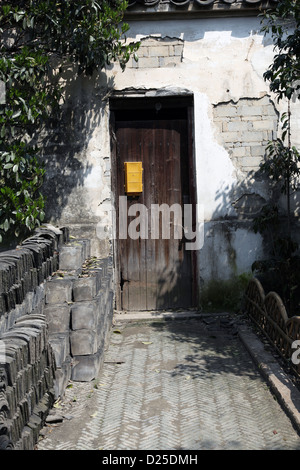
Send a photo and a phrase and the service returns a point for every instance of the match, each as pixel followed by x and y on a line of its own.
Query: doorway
pixel 155 271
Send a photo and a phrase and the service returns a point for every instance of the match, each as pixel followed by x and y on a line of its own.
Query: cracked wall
pixel 220 62
pixel 244 129
pixel 156 52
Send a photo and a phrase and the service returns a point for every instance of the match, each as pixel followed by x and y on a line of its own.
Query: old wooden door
pixel 155 269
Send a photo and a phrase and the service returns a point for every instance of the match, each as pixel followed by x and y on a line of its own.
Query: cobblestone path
pixel 172 385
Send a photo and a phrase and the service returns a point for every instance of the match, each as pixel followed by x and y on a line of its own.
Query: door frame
pixel 123 103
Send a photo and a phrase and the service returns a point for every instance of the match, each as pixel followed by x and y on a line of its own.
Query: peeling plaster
pixel 216 174
pixel 159 38
pixel 223 61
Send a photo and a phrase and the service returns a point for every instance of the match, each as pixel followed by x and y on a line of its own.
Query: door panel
pixel 155 273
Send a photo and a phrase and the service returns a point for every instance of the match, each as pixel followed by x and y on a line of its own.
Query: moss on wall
pixel 224 295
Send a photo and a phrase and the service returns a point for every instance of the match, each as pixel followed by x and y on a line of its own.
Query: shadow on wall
pixel 218 30
pixel 231 249
pixel 230 244
pixel 234 250
pixel 65 145
pixel 238 191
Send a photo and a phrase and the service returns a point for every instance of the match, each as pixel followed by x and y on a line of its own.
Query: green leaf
pixel 6 225
pixel 27 221
pixel 16 114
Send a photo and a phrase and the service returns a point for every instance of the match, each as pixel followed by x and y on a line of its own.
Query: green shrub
pixel 224 295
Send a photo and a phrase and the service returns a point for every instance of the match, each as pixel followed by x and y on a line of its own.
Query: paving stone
pixel 71 256
pixel 61 347
pixel 84 315
pixel 59 291
pixel 83 342
pixel 62 377
pixel 173 384
pixel 84 288
pixel 87 368
pixel 58 317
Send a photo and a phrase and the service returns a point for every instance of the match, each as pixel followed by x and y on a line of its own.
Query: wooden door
pixel 155 269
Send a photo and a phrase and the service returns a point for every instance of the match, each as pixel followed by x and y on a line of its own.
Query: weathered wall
pixel 56 307
pixel 220 61
pixel 77 158
pixel 79 302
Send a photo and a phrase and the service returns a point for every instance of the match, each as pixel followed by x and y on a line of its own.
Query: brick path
pixel 166 385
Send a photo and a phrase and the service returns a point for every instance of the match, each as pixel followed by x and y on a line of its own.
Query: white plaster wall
pixel 215 172
pixel 223 60
pixel 228 251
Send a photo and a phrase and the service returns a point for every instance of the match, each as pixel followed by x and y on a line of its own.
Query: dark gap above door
pixel 158 108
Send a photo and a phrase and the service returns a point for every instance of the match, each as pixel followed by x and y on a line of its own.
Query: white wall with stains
pixel 219 61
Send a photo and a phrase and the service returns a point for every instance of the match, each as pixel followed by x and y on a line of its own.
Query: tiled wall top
pixel 154 7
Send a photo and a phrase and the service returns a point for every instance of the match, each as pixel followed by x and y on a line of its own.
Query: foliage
pixel 28 102
pixel 279 272
pixel 283 23
pixel 282 158
pixel 37 38
pixel 282 164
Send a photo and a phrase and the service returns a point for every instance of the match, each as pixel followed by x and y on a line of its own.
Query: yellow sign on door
pixel 133 178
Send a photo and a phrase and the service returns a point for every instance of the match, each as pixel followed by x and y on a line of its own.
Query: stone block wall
pixel 79 310
pixel 156 52
pixel 56 308
pixel 245 128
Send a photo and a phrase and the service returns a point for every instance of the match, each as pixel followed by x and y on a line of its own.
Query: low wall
pixel 56 308
pixel 79 310
pixel 269 314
